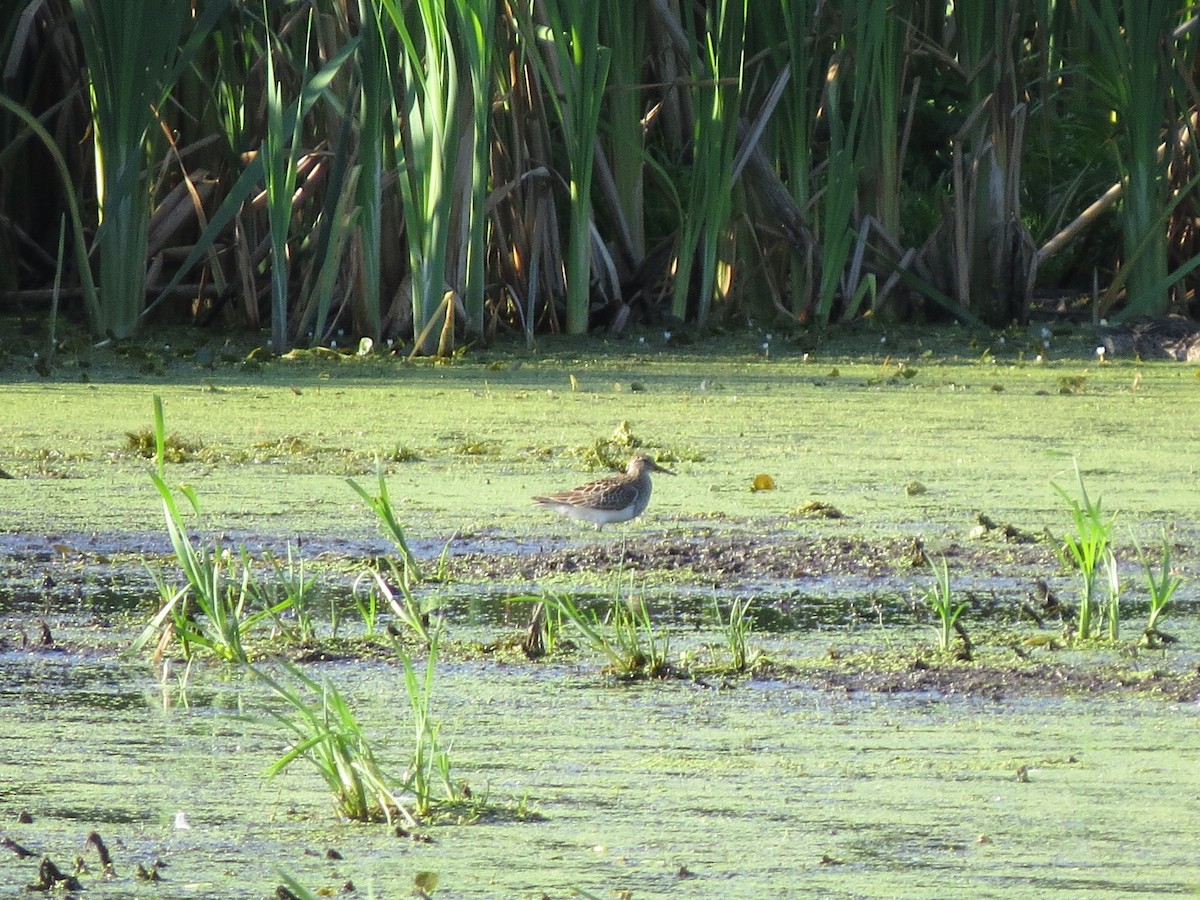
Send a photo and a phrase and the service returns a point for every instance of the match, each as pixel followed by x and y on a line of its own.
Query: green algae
pixel 818 783
pixel 987 434
pixel 771 790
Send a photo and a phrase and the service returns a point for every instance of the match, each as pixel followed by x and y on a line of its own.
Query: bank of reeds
pixel 426 170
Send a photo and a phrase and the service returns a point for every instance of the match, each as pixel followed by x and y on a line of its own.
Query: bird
pixel 618 498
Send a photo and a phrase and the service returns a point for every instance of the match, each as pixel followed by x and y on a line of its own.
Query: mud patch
pixel 722 559
pixel 1006 682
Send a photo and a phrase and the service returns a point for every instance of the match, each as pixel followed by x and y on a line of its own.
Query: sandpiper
pixel 616 499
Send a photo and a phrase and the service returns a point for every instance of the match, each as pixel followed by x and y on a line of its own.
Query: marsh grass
pixel 1086 550
pixel 381 504
pixel 427 136
pixel 367 603
pixel 550 624
pixel 293 590
pixel 1111 608
pixel 941 599
pixel 396 592
pixel 429 770
pixel 221 600
pixel 280 151
pixel 328 734
pixel 736 628
pixel 585 136
pixel 1161 584
pixel 626 637
pixel 645 650
pixel 219 604
pixel 134 54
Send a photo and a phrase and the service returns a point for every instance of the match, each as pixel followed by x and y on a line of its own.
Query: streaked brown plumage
pixel 615 499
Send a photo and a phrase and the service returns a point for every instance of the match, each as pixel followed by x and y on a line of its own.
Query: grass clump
pixel 736 628
pixel 945 606
pixel 429 770
pixel 220 600
pixel 1087 549
pixel 220 603
pixel 328 734
pixel 292 591
pixel 626 637
pixel 1161 584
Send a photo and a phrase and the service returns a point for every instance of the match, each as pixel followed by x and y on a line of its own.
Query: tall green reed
pixel 623 29
pixel 134 55
pixel 78 242
pixel 330 272
pixel 574 70
pixel 666 117
pixel 794 124
pixel 280 148
pixel 856 93
pixel 235 203
pixel 990 249
pixel 478 37
pixel 717 75
pixel 1130 67
pixel 426 137
pixel 376 107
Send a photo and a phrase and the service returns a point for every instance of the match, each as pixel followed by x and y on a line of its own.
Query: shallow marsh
pixel 856 768
pixel 770 789
pixel 986 432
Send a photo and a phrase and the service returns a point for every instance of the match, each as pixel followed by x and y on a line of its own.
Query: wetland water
pixel 770 788
pixel 859 767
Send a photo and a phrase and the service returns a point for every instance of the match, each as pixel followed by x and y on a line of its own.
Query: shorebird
pixel 615 499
